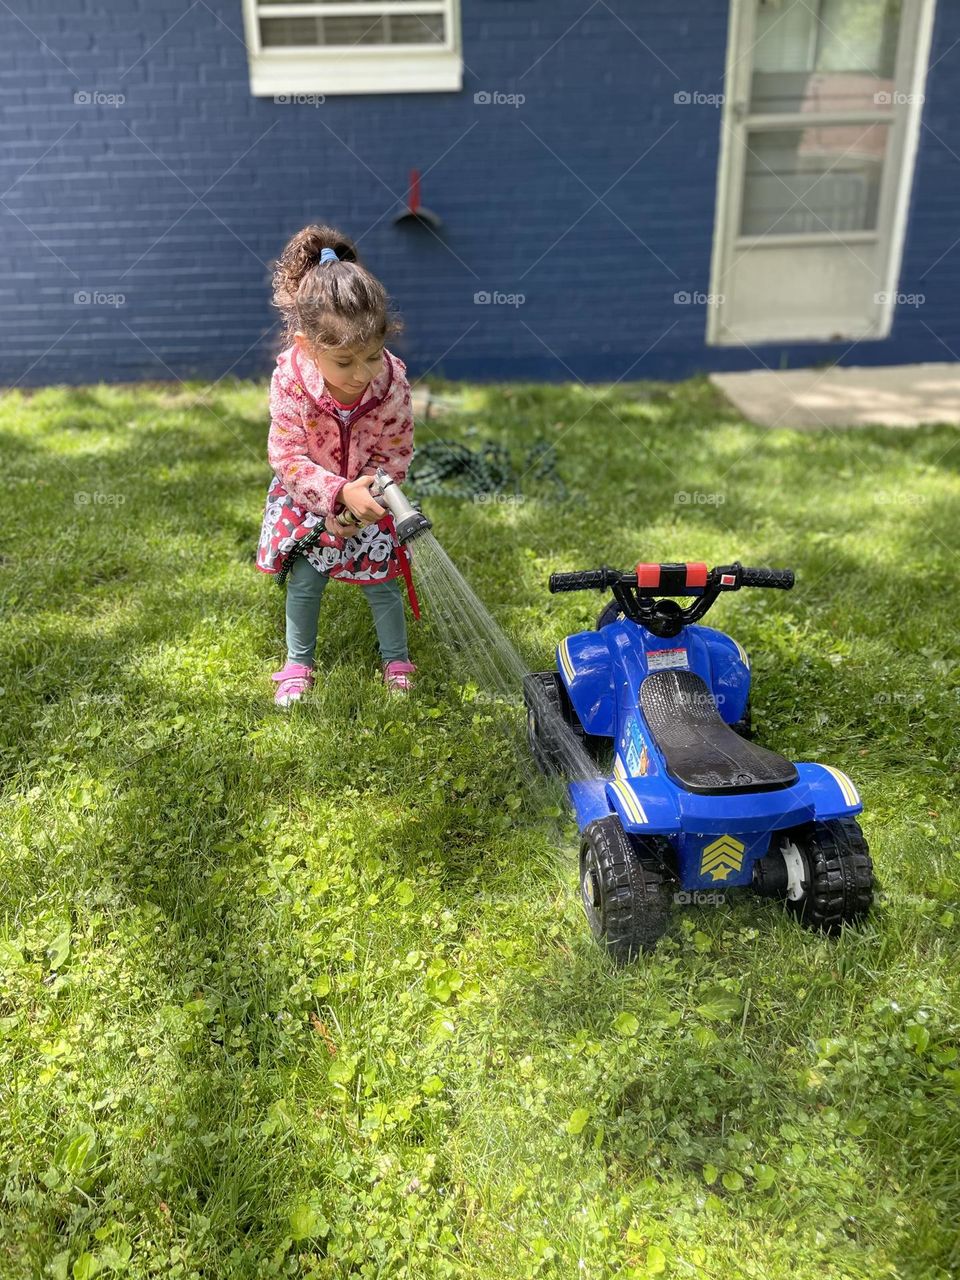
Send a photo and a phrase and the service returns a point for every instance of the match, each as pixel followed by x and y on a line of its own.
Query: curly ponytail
pixel 338 304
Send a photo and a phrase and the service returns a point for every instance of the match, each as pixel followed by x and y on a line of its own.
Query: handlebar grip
pixel 585 580
pixel 780 578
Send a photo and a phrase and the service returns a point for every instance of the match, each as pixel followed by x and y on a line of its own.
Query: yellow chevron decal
pixel 565 660
pixel 721 858
pixel 630 802
pixel 743 654
pixel 850 793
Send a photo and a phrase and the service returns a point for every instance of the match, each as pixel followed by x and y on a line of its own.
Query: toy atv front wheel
pixel 825 872
pixel 609 613
pixel 622 883
pixel 555 734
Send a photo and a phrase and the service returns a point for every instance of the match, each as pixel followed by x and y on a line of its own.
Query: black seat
pixel 702 753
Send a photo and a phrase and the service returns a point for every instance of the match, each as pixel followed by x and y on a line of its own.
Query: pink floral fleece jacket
pixel 314 454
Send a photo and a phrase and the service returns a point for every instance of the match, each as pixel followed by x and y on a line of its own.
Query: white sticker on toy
pixel 661 659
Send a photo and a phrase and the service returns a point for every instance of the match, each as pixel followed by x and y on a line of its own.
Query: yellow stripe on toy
pixel 630 802
pixel 565 661
pixel 850 793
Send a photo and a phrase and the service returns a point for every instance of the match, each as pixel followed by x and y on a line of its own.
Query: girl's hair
pixel 338 304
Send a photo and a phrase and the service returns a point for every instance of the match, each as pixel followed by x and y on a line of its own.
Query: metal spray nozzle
pixel 409 521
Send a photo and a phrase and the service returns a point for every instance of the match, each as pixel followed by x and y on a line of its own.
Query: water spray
pixel 472 637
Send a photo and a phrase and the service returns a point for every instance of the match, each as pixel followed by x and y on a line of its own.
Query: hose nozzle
pixel 409 521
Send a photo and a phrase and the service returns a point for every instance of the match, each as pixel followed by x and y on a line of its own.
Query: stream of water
pixel 480 652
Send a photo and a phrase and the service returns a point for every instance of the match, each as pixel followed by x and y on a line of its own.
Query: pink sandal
pixel 397 674
pixel 293 682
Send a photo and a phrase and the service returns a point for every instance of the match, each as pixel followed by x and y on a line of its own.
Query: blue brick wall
pixel 178 197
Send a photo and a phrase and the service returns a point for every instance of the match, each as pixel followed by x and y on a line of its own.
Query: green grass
pixel 313 995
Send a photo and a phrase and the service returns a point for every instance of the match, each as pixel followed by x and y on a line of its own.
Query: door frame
pixel 729 188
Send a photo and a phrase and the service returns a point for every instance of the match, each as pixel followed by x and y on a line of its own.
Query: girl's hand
pixel 338 530
pixel 356 496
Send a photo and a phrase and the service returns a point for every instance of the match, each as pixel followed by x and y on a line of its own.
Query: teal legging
pixel 305 588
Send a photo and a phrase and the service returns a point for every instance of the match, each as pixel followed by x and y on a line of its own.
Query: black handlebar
pixel 635 592
pixel 782 579
pixel 726 577
pixel 585 580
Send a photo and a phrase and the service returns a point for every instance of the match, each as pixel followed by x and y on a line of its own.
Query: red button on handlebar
pixel 648 575
pixel 696 575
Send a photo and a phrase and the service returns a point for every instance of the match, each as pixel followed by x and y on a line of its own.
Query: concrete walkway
pixel 895 396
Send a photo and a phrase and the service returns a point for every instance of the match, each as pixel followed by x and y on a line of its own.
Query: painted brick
pixel 516 189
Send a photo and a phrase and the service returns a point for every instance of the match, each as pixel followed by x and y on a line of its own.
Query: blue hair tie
pixel 329 255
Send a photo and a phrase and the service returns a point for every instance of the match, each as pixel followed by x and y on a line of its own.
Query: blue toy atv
pixel 693 807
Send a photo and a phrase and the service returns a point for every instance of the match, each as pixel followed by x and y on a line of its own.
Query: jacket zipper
pixel 345 429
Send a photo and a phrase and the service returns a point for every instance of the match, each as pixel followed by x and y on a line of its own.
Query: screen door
pixel 820 123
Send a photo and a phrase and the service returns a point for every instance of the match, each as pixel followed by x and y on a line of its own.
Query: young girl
pixel 340 407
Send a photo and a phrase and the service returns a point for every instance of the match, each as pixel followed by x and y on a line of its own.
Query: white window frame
pixel 337 69
pixel 729 179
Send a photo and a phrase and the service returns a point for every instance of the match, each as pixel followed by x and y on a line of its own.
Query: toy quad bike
pixel 692 802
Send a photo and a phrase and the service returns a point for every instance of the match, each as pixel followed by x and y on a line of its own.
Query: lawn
pixel 313 994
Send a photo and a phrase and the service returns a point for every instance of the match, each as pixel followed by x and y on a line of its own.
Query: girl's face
pixel 346 369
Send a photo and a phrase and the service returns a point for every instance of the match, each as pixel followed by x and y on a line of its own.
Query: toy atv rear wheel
pixel 836 874
pixel 623 887
pixel 553 730
pixel 744 726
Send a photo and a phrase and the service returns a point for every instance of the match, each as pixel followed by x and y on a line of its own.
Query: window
pixel 320 47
